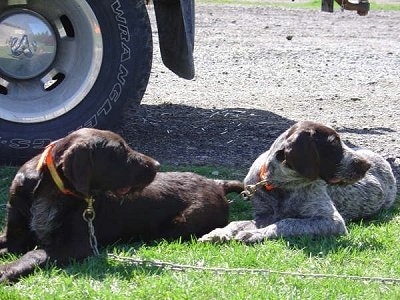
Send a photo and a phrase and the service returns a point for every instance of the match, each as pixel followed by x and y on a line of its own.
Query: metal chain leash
pixel 250 189
pixel 183 268
pixel 89 215
pixel 92 238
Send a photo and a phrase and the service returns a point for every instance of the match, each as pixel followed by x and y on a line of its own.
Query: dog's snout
pixel 147 162
pixel 156 165
pixel 359 167
pixel 362 166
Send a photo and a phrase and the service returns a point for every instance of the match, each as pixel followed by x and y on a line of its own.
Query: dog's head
pixel 315 151
pixel 98 160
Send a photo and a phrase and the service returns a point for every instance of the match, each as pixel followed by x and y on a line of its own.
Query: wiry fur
pixel 375 191
pixel 44 224
pixel 318 182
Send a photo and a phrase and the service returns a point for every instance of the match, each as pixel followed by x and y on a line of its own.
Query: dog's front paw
pixel 4 274
pixel 218 235
pixel 250 236
pixel 257 235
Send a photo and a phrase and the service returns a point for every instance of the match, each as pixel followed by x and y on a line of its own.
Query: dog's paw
pixel 257 235
pixel 218 235
pixel 4 274
pixel 249 237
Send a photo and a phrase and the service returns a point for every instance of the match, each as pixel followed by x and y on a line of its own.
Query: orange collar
pixel 46 159
pixel 263 175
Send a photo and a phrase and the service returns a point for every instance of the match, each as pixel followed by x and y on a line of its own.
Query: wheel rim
pixel 48 61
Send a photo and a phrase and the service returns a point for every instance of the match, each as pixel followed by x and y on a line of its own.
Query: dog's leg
pixel 318 226
pixel 23 266
pixel 228 232
pixel 3 240
pixel 18 237
pixel 60 254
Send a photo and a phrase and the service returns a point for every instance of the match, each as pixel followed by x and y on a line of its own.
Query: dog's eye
pixel 280 155
pixel 334 140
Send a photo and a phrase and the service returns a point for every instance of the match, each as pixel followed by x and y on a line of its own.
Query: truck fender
pixel 175 23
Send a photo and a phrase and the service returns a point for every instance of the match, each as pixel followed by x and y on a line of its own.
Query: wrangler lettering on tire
pixel 66 65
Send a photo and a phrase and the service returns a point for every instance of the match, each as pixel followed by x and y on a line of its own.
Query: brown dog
pixel 102 192
pixel 51 191
pixel 174 205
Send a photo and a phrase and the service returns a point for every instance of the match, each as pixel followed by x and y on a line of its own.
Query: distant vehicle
pixel 361 6
pixel 76 63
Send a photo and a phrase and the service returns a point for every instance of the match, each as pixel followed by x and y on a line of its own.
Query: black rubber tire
pixel 120 81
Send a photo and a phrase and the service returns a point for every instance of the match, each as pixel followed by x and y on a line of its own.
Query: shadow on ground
pixel 230 137
pixel 186 135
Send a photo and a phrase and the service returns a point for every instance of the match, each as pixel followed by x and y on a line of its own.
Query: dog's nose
pixel 150 163
pixel 362 166
pixel 366 166
pixel 156 165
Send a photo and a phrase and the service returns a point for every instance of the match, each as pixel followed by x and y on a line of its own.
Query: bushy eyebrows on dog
pixel 312 183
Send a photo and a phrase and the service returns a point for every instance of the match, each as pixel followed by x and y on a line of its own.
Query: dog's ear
pixel 77 167
pixel 301 154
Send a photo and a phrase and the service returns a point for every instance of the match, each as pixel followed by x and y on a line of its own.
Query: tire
pixel 94 60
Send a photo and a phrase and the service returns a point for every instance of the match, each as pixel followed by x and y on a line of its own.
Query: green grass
pixel 370 249
pixel 312 4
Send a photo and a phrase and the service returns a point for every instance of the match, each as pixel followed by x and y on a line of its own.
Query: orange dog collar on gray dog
pixel 263 175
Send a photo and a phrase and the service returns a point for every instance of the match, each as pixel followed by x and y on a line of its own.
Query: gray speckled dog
pixel 313 183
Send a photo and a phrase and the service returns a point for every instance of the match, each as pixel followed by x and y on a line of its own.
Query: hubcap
pixel 51 53
pixel 29 43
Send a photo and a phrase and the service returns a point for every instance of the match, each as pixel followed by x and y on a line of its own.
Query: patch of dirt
pixel 259 70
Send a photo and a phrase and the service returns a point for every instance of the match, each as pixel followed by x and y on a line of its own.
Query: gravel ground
pixel 259 70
